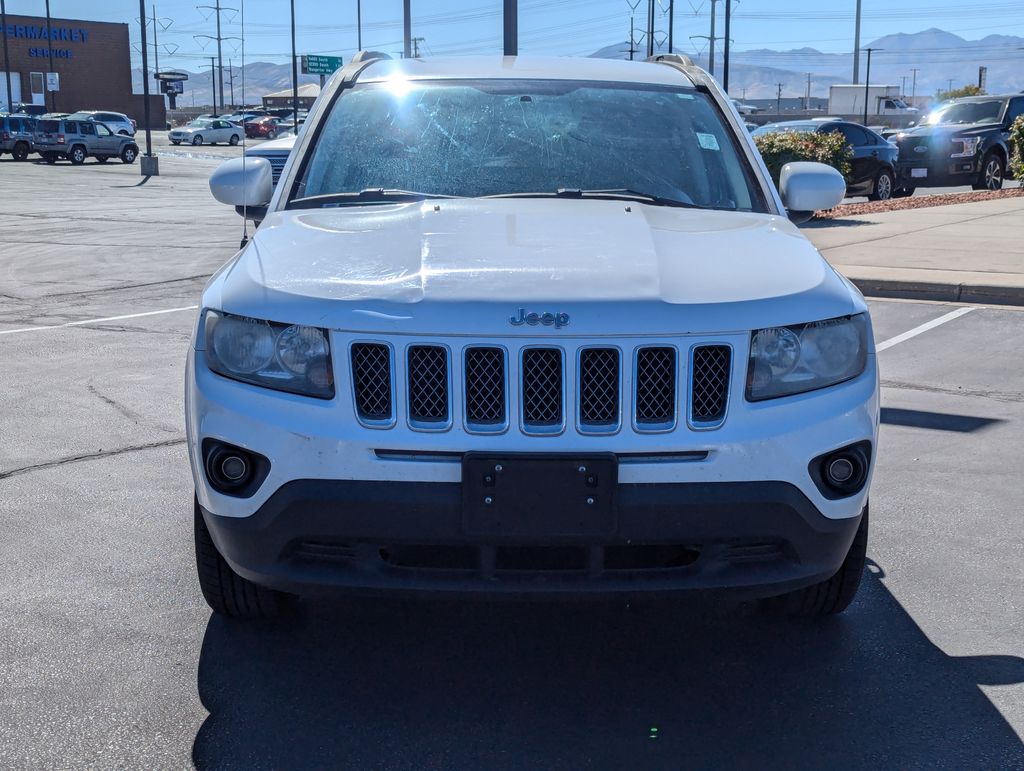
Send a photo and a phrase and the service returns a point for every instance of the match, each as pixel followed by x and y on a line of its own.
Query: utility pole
pixel 671 25
pixel 650 28
pixel 213 83
pixel 903 86
pixel 407 27
pixel 948 90
pixel 856 47
pixel 231 80
pixel 49 37
pixel 807 101
pixel 218 10
pixel 778 101
pixel 510 27
pixel 416 46
pixel 867 84
pixel 7 56
pixel 359 25
pixel 711 39
pixel 728 33
pixel 295 73
pixel 913 87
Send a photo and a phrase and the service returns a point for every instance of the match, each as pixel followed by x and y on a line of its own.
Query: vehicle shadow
pixel 400 684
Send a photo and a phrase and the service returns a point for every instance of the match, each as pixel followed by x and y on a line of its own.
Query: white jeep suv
pixel 529 326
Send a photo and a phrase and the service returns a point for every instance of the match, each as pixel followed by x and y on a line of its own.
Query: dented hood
pixel 466 266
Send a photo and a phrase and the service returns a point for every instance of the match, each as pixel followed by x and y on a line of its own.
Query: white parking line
pixel 923 328
pixel 97 321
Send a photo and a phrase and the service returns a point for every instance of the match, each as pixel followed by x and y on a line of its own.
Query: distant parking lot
pixel 111 659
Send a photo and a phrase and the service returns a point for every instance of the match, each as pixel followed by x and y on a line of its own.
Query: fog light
pixel 232 470
pixel 843 472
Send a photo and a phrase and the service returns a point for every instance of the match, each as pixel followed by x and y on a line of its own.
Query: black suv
pixel 962 142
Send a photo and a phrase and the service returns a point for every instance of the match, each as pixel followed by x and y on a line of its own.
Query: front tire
pixel 993 169
pixel 129 154
pixel 234 140
pixel 271 135
pixel 226 592
pixel 883 188
pixel 833 595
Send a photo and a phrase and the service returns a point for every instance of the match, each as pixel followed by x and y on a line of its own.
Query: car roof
pixel 527 68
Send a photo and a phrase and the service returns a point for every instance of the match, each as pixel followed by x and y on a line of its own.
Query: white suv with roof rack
pixel 529 326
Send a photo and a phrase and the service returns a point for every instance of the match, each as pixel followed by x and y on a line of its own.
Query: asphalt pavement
pixel 110 658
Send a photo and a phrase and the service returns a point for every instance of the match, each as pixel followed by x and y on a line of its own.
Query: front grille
pixel 485 387
pixel 428 384
pixel 599 387
pixel 542 387
pixel 655 387
pixel 277 165
pixel 371 379
pixel 710 383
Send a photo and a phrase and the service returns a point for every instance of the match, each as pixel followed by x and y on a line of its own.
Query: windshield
pixel 200 124
pixel 501 137
pixel 967 112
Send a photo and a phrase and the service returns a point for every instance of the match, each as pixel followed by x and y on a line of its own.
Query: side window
pixel 1016 109
pixel 15 125
pixel 890 104
pixel 103 131
pixel 854 135
pixel 70 127
pixel 88 128
pixel 106 116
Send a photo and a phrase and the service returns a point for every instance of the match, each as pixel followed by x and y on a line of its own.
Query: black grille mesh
pixel 428 383
pixel 599 386
pixel 655 386
pixel 371 378
pixel 485 386
pixel 542 386
pixel 710 383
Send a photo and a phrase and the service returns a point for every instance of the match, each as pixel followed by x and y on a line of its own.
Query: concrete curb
pixel 942 292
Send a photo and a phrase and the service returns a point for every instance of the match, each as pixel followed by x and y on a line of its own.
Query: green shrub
pixel 1017 148
pixel 782 147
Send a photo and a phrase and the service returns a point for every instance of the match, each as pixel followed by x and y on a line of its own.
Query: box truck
pixel 882 100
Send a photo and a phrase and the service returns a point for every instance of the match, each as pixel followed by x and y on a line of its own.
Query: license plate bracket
pixel 529 496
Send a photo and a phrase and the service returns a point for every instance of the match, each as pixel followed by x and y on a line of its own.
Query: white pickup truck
pixel 529 326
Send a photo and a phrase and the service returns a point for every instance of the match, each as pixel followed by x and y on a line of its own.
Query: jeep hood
pixel 464 266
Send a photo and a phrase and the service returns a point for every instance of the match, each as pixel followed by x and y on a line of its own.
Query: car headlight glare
pixel 792 360
pixel 284 357
pixel 970 147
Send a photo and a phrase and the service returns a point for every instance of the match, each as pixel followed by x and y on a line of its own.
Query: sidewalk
pixel 971 252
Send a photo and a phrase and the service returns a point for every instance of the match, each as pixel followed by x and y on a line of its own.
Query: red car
pixel 265 126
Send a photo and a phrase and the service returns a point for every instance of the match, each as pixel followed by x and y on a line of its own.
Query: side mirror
pixel 245 183
pixel 809 187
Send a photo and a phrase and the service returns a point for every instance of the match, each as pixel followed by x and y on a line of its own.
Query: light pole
pixel 149 163
pixel 856 47
pixel 510 26
pixel 7 59
pixel 359 25
pixel 407 28
pixel 295 73
pixel 867 84
pixel 49 48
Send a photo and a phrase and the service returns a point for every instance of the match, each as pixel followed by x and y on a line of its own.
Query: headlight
pixel 791 360
pixel 280 356
pixel 970 147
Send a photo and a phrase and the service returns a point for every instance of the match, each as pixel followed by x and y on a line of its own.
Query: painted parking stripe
pixel 97 321
pixel 922 329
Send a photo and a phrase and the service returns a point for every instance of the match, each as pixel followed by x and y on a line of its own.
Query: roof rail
pixel 363 59
pixel 680 59
pixel 362 56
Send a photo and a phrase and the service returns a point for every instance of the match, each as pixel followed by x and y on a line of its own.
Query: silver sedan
pixel 206 130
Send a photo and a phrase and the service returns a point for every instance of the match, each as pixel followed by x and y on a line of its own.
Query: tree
pixel 956 93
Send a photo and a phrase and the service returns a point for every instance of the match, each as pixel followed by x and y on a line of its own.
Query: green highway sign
pixel 320 65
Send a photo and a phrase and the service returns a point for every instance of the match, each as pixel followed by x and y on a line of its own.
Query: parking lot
pixel 110 658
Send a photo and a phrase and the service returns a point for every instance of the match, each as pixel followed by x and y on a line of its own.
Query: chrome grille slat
pixel 427 372
pixel 709 385
pixel 542 388
pixel 485 388
pixel 655 399
pixel 599 388
pixel 371 381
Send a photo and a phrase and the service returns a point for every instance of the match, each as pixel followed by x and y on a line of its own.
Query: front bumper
pixel 942 172
pixel 748 538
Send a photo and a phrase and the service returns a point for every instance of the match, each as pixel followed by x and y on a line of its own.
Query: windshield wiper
pixel 367 195
pixel 615 194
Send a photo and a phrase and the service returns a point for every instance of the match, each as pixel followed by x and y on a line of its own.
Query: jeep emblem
pixel 556 320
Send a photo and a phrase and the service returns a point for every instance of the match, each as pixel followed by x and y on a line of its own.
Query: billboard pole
pixel 7 58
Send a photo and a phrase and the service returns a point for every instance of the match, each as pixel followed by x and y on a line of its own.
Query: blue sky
pixel 559 27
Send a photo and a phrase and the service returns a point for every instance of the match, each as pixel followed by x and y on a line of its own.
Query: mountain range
pixel 939 56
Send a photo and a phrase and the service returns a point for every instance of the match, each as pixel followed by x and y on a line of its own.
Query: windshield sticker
pixel 707 141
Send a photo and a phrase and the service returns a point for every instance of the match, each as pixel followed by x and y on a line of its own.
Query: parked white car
pixel 529 326
pixel 206 131
pixel 117 122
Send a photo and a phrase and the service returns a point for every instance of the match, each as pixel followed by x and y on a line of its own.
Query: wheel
pixel 834 594
pixel 271 134
pixel 992 170
pixel 234 140
pixel 226 592
pixel 50 158
pixel 904 192
pixel 197 139
pixel 20 151
pixel 175 143
pixel 884 184
pixel 129 154
pixel 77 155
pixel 102 158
